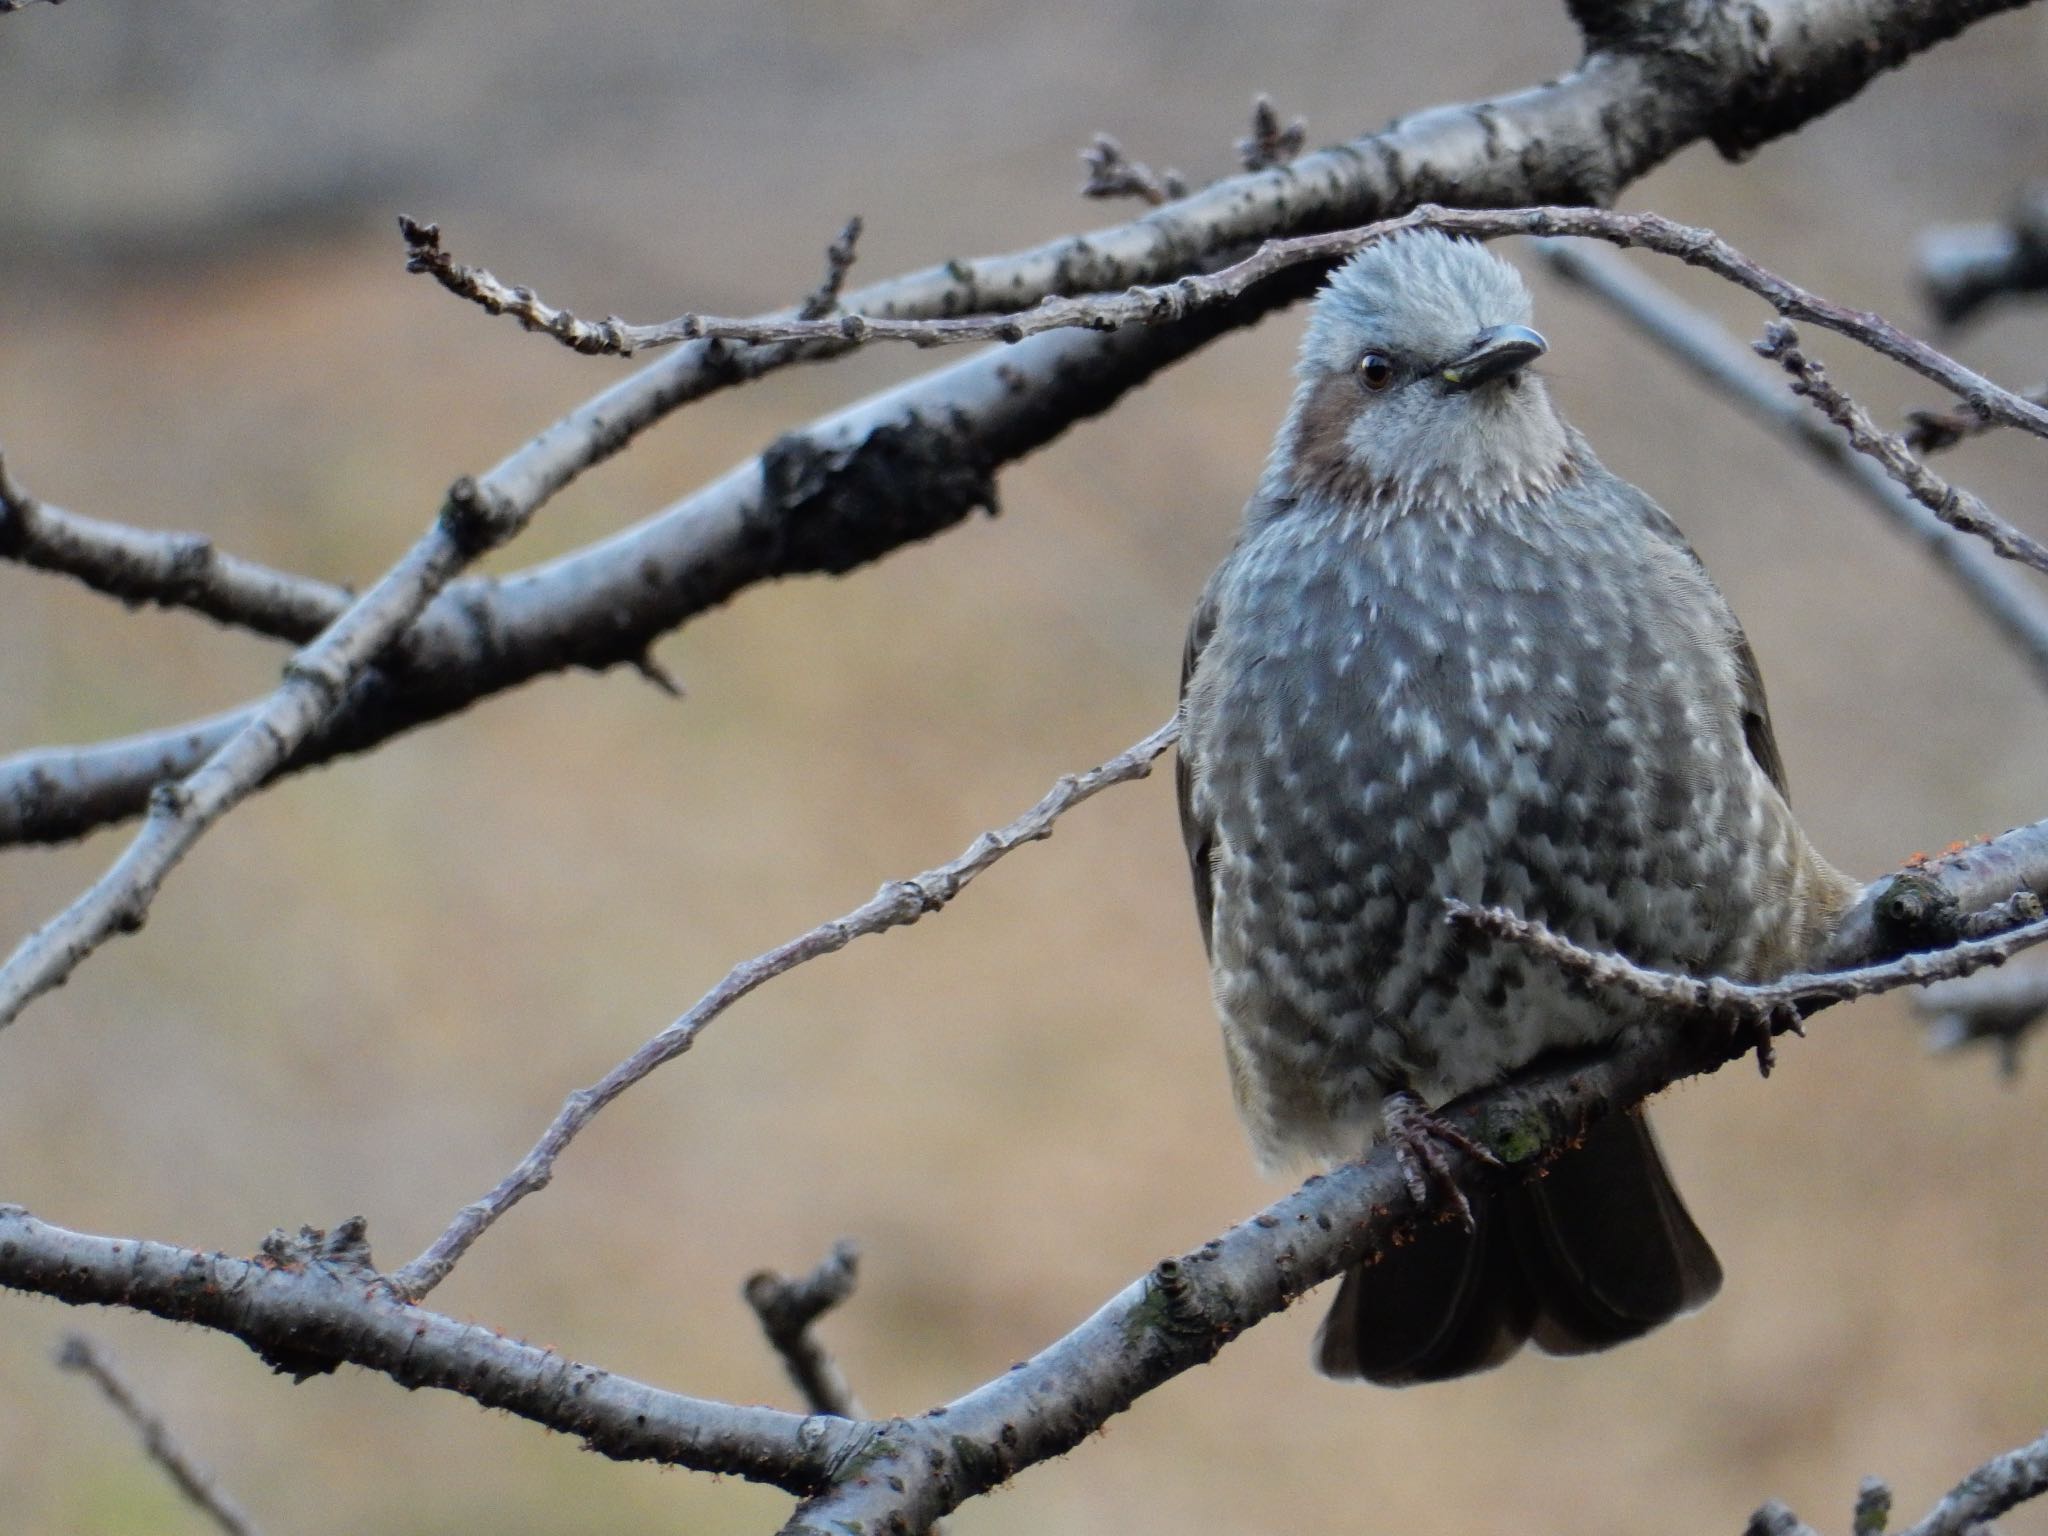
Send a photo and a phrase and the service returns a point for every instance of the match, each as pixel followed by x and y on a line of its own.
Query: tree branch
pixel 1931 903
pixel 1185 1311
pixel 2002 1483
pixel 1658 76
pixel 1958 508
pixel 839 258
pixel 890 470
pixel 171 570
pixel 1168 302
pixel 788 1308
pixel 1697 343
pixel 1682 74
pixel 310 1304
pixel 200 1486
pixel 897 904
pixel 317 680
pixel 1744 1005
pixel 316 1303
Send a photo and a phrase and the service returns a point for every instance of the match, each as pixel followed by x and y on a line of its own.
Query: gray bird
pixel 1451 655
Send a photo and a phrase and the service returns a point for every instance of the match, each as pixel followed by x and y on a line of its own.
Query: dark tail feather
pixel 1450 1303
pixel 1608 1247
pixel 1598 1251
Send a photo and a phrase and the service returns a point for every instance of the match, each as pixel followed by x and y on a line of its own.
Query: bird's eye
pixel 1375 371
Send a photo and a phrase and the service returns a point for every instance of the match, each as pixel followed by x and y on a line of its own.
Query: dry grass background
pixel 373 985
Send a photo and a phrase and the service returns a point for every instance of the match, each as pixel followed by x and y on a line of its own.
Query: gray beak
pixel 1496 352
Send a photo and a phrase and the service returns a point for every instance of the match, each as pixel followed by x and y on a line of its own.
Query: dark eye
pixel 1375 371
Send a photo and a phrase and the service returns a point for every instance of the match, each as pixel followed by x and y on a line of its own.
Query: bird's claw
pixel 1760 1027
pixel 1418 1138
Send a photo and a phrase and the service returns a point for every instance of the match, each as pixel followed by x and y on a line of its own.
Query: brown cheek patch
pixel 1321 460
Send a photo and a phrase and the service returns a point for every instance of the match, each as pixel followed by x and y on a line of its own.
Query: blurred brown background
pixel 371 988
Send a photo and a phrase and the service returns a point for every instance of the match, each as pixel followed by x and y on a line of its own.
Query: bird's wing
pixel 1756 715
pixel 1756 709
pixel 1199 837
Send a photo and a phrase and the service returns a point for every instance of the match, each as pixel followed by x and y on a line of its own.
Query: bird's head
pixel 1413 386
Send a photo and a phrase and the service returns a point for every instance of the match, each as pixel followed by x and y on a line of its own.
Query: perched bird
pixel 1452 656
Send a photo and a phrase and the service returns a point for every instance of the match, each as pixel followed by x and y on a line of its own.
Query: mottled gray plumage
pixel 1453 656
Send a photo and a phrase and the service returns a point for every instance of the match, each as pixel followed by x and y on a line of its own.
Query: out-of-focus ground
pixel 372 986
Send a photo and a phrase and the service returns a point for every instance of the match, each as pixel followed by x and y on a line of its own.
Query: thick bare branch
pixel 197 1483
pixel 897 904
pixel 309 1304
pixel 1933 903
pixel 1686 73
pixel 171 570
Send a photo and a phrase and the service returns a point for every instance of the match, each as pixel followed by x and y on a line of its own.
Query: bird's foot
pixel 1759 1028
pixel 1418 1138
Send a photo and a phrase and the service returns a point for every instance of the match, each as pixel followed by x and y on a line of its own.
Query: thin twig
pixel 22 5
pixel 1704 348
pixel 425 254
pixel 171 570
pixel 1958 508
pixel 197 1483
pixel 1173 301
pixel 1112 173
pixel 839 257
pixel 475 518
pixel 787 1309
pixel 1269 144
pixel 896 904
pixel 1743 1005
